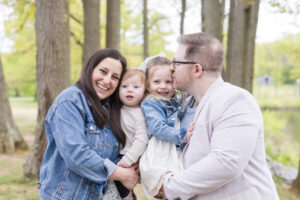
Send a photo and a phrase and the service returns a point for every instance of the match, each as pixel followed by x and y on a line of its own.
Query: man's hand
pixel 189 131
pixel 161 194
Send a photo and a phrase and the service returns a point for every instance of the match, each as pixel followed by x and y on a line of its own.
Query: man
pixel 225 158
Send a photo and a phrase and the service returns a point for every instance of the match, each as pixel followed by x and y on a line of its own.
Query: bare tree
pixel 182 16
pixel 145 29
pixel 91 24
pixel 10 136
pixel 212 14
pixel 241 42
pixel 113 20
pixel 53 75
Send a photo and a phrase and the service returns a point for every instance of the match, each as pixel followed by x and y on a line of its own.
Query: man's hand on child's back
pixel 189 131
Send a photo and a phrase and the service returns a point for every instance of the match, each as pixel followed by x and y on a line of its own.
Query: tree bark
pixel 182 16
pixel 145 29
pixel 212 17
pixel 113 20
pixel 241 42
pixel 91 24
pixel 53 73
pixel 251 18
pixel 10 136
pixel 296 183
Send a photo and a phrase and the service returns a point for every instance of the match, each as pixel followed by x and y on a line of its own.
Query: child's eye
pixel 168 82
pixel 124 86
pixel 156 81
pixel 135 87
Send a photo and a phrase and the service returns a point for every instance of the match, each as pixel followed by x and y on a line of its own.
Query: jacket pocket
pixel 92 135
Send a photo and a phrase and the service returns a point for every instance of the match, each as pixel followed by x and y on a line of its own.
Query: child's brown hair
pixel 154 64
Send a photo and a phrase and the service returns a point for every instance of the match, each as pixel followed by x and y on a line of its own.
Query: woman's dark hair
pixel 85 84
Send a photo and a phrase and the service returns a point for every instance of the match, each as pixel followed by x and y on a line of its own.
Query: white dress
pixel 160 158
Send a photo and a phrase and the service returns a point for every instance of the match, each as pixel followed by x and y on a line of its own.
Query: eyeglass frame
pixel 185 63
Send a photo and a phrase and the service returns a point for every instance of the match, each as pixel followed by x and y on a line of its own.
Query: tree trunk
pixel 212 17
pixel 10 136
pixel 91 28
pixel 145 29
pixel 241 42
pixel 251 13
pixel 182 16
pixel 296 183
pixel 113 20
pixel 53 75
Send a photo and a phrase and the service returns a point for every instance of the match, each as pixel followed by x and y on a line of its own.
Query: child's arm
pixel 140 140
pixel 157 125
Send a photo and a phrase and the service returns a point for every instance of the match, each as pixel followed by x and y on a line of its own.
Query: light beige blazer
pixel 225 158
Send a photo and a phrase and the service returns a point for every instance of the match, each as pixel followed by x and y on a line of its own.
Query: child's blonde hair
pixel 132 72
pixel 153 65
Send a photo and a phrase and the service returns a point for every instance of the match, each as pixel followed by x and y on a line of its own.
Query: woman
pixel 84 134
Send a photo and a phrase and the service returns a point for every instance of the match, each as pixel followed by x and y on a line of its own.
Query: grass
pixel 279 145
pixel 275 96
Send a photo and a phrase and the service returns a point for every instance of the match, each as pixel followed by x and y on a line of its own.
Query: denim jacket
pixel 161 115
pixel 79 156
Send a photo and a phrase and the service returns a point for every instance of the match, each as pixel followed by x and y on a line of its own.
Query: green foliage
pixel 285 6
pixel 280 59
pixel 282 147
pixel 277 96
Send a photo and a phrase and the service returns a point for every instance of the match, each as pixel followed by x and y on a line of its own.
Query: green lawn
pixel 14 186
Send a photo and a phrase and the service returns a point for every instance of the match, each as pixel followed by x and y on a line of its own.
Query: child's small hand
pixel 122 163
pixel 189 131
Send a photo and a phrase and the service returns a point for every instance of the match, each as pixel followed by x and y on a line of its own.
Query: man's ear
pixel 198 70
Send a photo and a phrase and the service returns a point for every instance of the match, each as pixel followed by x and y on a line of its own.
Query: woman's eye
pixel 102 71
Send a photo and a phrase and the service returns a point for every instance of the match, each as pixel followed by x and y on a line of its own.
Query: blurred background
pixel 43 45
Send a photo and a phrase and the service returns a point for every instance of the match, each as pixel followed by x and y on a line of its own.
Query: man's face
pixel 182 74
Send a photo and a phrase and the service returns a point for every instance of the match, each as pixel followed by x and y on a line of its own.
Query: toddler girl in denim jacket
pixel 161 108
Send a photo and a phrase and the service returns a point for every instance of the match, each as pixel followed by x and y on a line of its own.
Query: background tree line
pixel 52 39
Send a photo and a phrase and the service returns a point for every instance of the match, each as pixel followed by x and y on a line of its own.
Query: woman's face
pixel 106 76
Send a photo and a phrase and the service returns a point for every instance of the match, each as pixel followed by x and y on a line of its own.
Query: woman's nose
pixel 106 80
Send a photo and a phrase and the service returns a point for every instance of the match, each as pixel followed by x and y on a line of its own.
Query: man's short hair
pixel 203 49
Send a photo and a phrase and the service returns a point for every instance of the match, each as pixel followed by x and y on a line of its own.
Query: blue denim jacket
pixel 78 158
pixel 161 115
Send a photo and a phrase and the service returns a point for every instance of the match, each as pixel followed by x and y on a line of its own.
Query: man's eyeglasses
pixel 173 65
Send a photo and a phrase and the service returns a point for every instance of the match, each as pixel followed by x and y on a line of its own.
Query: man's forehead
pixel 180 52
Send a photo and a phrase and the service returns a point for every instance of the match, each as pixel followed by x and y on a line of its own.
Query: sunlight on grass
pixel 12 183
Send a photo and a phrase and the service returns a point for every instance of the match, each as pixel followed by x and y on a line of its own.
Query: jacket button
pixel 117 144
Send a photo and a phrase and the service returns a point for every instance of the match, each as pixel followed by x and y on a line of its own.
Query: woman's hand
pixel 127 176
